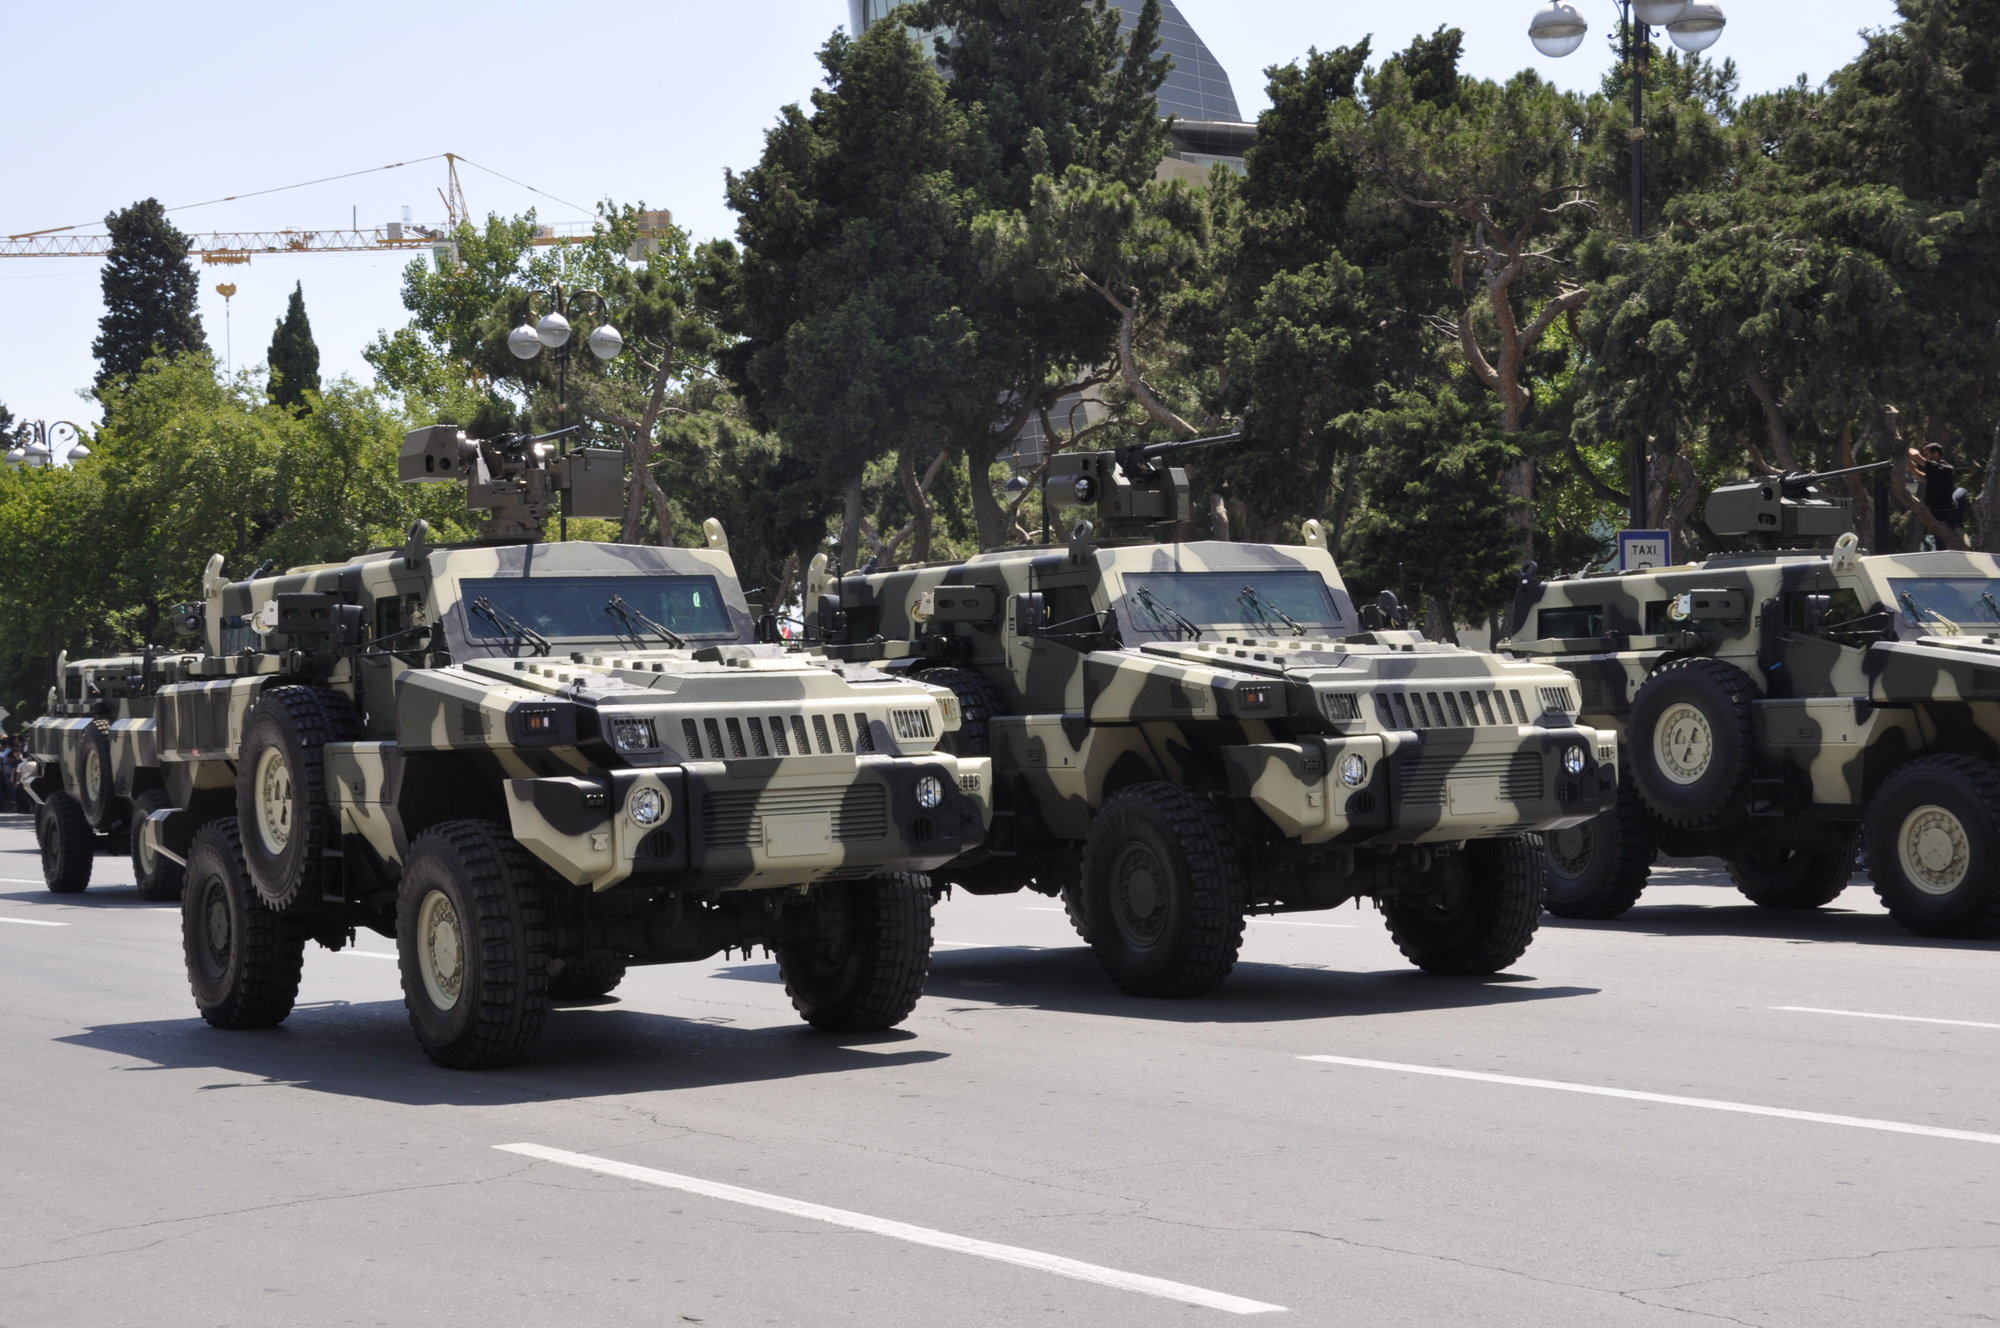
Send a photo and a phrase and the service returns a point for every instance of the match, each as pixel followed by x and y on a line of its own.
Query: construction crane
pixel 225 247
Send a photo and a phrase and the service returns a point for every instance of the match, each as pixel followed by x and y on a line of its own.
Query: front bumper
pixel 752 824
pixel 1440 786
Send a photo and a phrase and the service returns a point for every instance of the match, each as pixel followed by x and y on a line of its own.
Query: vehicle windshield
pixel 1947 603
pixel 558 607
pixel 1265 600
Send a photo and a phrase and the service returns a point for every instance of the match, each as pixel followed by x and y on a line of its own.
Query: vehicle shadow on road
pixel 366 1050
pixel 1659 914
pixel 1070 979
pixel 108 895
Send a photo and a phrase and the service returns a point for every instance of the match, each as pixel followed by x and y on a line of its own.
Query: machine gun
pixel 516 477
pixel 1134 492
pixel 1784 510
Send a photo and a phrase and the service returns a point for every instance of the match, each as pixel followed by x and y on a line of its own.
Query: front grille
pixel 734 818
pixel 735 736
pixel 1341 706
pixel 912 725
pixel 1558 698
pixel 1447 708
pixel 1519 773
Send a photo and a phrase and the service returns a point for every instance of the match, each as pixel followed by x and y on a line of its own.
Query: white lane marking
pixel 1287 922
pixel 22 880
pixel 1671 1099
pixel 33 922
pixel 1903 1018
pixel 368 954
pixel 986 945
pixel 943 1240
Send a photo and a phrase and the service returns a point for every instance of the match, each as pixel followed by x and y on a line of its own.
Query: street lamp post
pixel 47 443
pixel 552 330
pixel 1557 29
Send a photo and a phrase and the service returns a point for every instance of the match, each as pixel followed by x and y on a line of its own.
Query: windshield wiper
pixel 1917 611
pixel 507 622
pixel 1992 605
pixel 1165 612
pixel 634 620
pixel 1259 604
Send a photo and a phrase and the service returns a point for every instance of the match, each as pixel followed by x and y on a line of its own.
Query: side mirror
pixel 1030 614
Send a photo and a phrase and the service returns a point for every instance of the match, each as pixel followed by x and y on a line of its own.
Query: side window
pixel 1069 609
pixel 1580 620
pixel 1830 614
pixel 388 617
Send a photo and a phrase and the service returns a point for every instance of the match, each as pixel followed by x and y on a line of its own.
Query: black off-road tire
pixel 243 960
pixel 159 877
pixel 1481 923
pixel 585 977
pixel 1933 836
pixel 472 940
pixel 281 793
pixel 1075 907
pixel 102 806
pixel 1598 869
pixel 67 843
pixel 1690 740
pixel 864 965
pixel 1163 891
pixel 1796 878
pixel 978 702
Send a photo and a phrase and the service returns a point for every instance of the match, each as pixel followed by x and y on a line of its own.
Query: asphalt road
pixel 1792 1120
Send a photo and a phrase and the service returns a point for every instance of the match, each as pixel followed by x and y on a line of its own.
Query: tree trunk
pixel 922 509
pixel 1438 615
pixel 987 517
pixel 850 525
pixel 1986 507
pixel 1218 517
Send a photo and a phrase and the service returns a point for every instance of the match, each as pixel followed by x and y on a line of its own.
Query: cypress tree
pixel 149 294
pixel 294 357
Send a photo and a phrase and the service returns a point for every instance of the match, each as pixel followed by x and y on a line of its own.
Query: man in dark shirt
pixel 1936 474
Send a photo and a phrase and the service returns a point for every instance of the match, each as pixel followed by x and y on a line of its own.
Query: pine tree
pixel 149 294
pixel 294 357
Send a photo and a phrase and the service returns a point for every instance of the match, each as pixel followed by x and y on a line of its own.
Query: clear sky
pixel 636 100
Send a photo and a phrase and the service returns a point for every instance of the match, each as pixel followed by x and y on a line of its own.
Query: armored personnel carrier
pixel 1186 732
pixel 535 764
pixel 91 772
pixel 1782 707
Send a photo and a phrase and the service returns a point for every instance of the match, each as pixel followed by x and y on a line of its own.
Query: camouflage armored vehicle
pixel 91 771
pixel 1783 707
pixel 1183 733
pixel 535 764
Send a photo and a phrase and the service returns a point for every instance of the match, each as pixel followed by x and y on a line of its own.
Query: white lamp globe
pixel 1698 26
pixel 524 343
pixel 16 455
pixel 79 450
pixel 38 448
pixel 1557 28
pixel 553 330
pixel 606 342
pixel 1658 13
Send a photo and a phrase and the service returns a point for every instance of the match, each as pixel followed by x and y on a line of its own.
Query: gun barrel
pixel 1800 481
pixel 1173 445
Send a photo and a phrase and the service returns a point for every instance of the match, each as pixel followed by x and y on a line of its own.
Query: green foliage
pixel 294 356
pixel 149 294
pixel 185 468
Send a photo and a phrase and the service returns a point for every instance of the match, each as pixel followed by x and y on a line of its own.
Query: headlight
pixel 1353 770
pixel 1573 759
pixel 633 735
pixel 929 792
pixel 646 806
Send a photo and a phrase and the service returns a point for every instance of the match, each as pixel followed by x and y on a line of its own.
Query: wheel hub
pixel 1934 850
pixel 1683 743
pixel 1139 894
pixel 274 800
pixel 215 924
pixel 1570 848
pixel 440 950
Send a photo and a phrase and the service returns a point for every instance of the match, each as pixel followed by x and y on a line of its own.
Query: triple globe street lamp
pixel 1557 29
pixel 552 331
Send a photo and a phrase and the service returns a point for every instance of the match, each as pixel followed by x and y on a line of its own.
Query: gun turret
pixel 1135 494
pixel 517 476
pixel 1784 510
